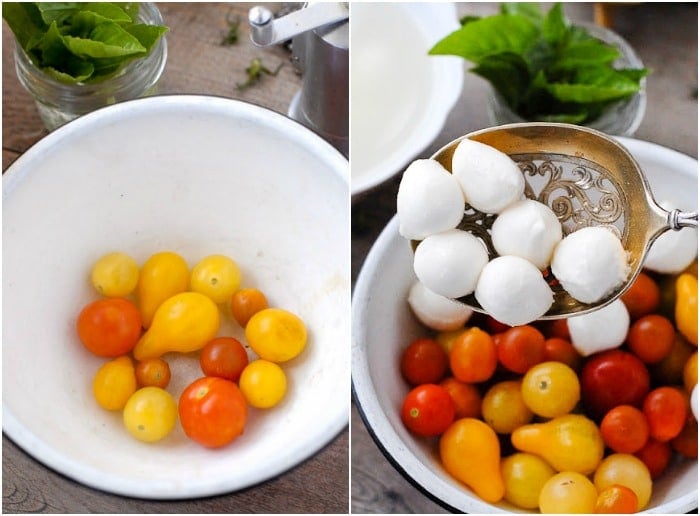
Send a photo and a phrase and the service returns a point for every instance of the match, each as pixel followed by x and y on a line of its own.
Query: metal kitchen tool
pixel 320 36
pixel 588 179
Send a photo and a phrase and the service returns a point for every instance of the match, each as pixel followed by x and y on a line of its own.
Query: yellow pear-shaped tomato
pixel 569 443
pixel 162 276
pixel 184 322
pixel 686 309
pixel 470 452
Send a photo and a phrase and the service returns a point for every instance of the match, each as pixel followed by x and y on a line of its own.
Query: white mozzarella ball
pixel 694 401
pixel 491 181
pixel 437 312
pixel 429 200
pixel 513 291
pixel 449 263
pixel 528 229
pixel 602 329
pixel 590 264
pixel 673 251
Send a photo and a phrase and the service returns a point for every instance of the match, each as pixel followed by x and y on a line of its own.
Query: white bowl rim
pixel 323 434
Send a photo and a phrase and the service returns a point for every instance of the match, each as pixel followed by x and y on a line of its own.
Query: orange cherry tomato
pixel 109 327
pixel 643 297
pixel 473 357
pixel 153 372
pixel 562 350
pixel 625 429
pixel 616 499
pixel 656 455
pixel 245 303
pixel 424 361
pixel 213 411
pixel 520 348
pixel 666 409
pixel 223 357
pixel 686 442
pixel 651 338
pixel 466 397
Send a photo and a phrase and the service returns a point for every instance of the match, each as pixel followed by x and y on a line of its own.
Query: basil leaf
pixel 582 53
pixel 555 26
pixel 107 39
pixel 56 11
pixel 529 10
pixel 147 35
pixel 25 22
pixel 57 60
pixel 108 11
pixel 508 73
pixel 594 84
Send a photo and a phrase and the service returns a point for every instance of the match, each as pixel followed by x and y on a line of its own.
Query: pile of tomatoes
pixel 518 414
pixel 144 314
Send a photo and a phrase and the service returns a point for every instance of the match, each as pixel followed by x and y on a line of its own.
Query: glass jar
pixel 620 119
pixel 58 102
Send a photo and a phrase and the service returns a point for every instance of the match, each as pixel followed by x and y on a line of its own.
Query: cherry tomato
pixel 153 372
pixel 276 335
pixel 466 397
pixel 686 442
pixel 625 470
pixel 427 410
pixel 625 429
pixel 495 326
pixel 109 327
pixel 520 348
pixel 150 414
pixel 690 372
pixel 643 296
pixel 551 389
pixel 503 407
pixel 670 368
pixel 651 338
pixel 216 276
pixel 655 455
pixel 616 499
pixel 666 409
pixel 115 275
pixel 524 474
pixel 213 411
pixel 245 303
pixel 612 378
pixel 224 357
pixel 423 361
pixel 473 357
pixel 263 383
pixel 568 492
pixel 562 350
pixel 556 328
pixel 114 383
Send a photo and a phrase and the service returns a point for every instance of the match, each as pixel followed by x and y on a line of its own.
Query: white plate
pixel 196 175
pixel 400 96
pixel 383 325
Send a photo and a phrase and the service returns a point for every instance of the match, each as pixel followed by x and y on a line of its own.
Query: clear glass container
pixel 620 119
pixel 58 103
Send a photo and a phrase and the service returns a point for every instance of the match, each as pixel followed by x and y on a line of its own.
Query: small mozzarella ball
pixel 694 401
pixel 429 200
pixel 602 329
pixel 437 312
pixel 590 264
pixel 490 180
pixel 528 229
pixel 513 291
pixel 673 251
pixel 449 263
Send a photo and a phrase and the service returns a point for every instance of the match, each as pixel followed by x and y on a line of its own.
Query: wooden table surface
pixel 197 63
pixel 665 37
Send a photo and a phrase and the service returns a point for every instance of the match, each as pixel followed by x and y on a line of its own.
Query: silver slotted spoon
pixel 588 179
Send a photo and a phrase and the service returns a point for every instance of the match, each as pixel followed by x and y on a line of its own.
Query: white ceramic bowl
pixel 197 175
pixel 400 96
pixel 383 325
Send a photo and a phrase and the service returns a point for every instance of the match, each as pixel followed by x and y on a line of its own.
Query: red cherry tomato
pixel 625 429
pixel 213 411
pixel 520 348
pixel 656 455
pixel 424 361
pixel 562 350
pixel 643 296
pixel 666 409
pixel 224 357
pixel 153 372
pixel 466 397
pixel 428 410
pixel 109 327
pixel 651 338
pixel 686 442
pixel 556 328
pixel 612 378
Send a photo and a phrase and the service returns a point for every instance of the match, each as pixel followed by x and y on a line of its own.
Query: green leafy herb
pixel 544 67
pixel 255 71
pixel 231 37
pixel 80 42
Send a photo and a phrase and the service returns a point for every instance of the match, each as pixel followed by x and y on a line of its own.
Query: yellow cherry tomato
pixel 115 275
pixel 162 276
pixel 686 309
pixel 625 470
pixel 263 383
pixel 503 407
pixel 276 335
pixel 690 372
pixel 568 492
pixel 217 277
pixel 551 389
pixel 524 475
pixel 114 383
pixel 150 414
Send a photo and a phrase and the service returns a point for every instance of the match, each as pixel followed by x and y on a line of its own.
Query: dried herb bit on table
pixel 80 42
pixel 231 37
pixel 544 67
pixel 255 71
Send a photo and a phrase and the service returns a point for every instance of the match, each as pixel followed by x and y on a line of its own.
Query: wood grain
pixel 199 64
